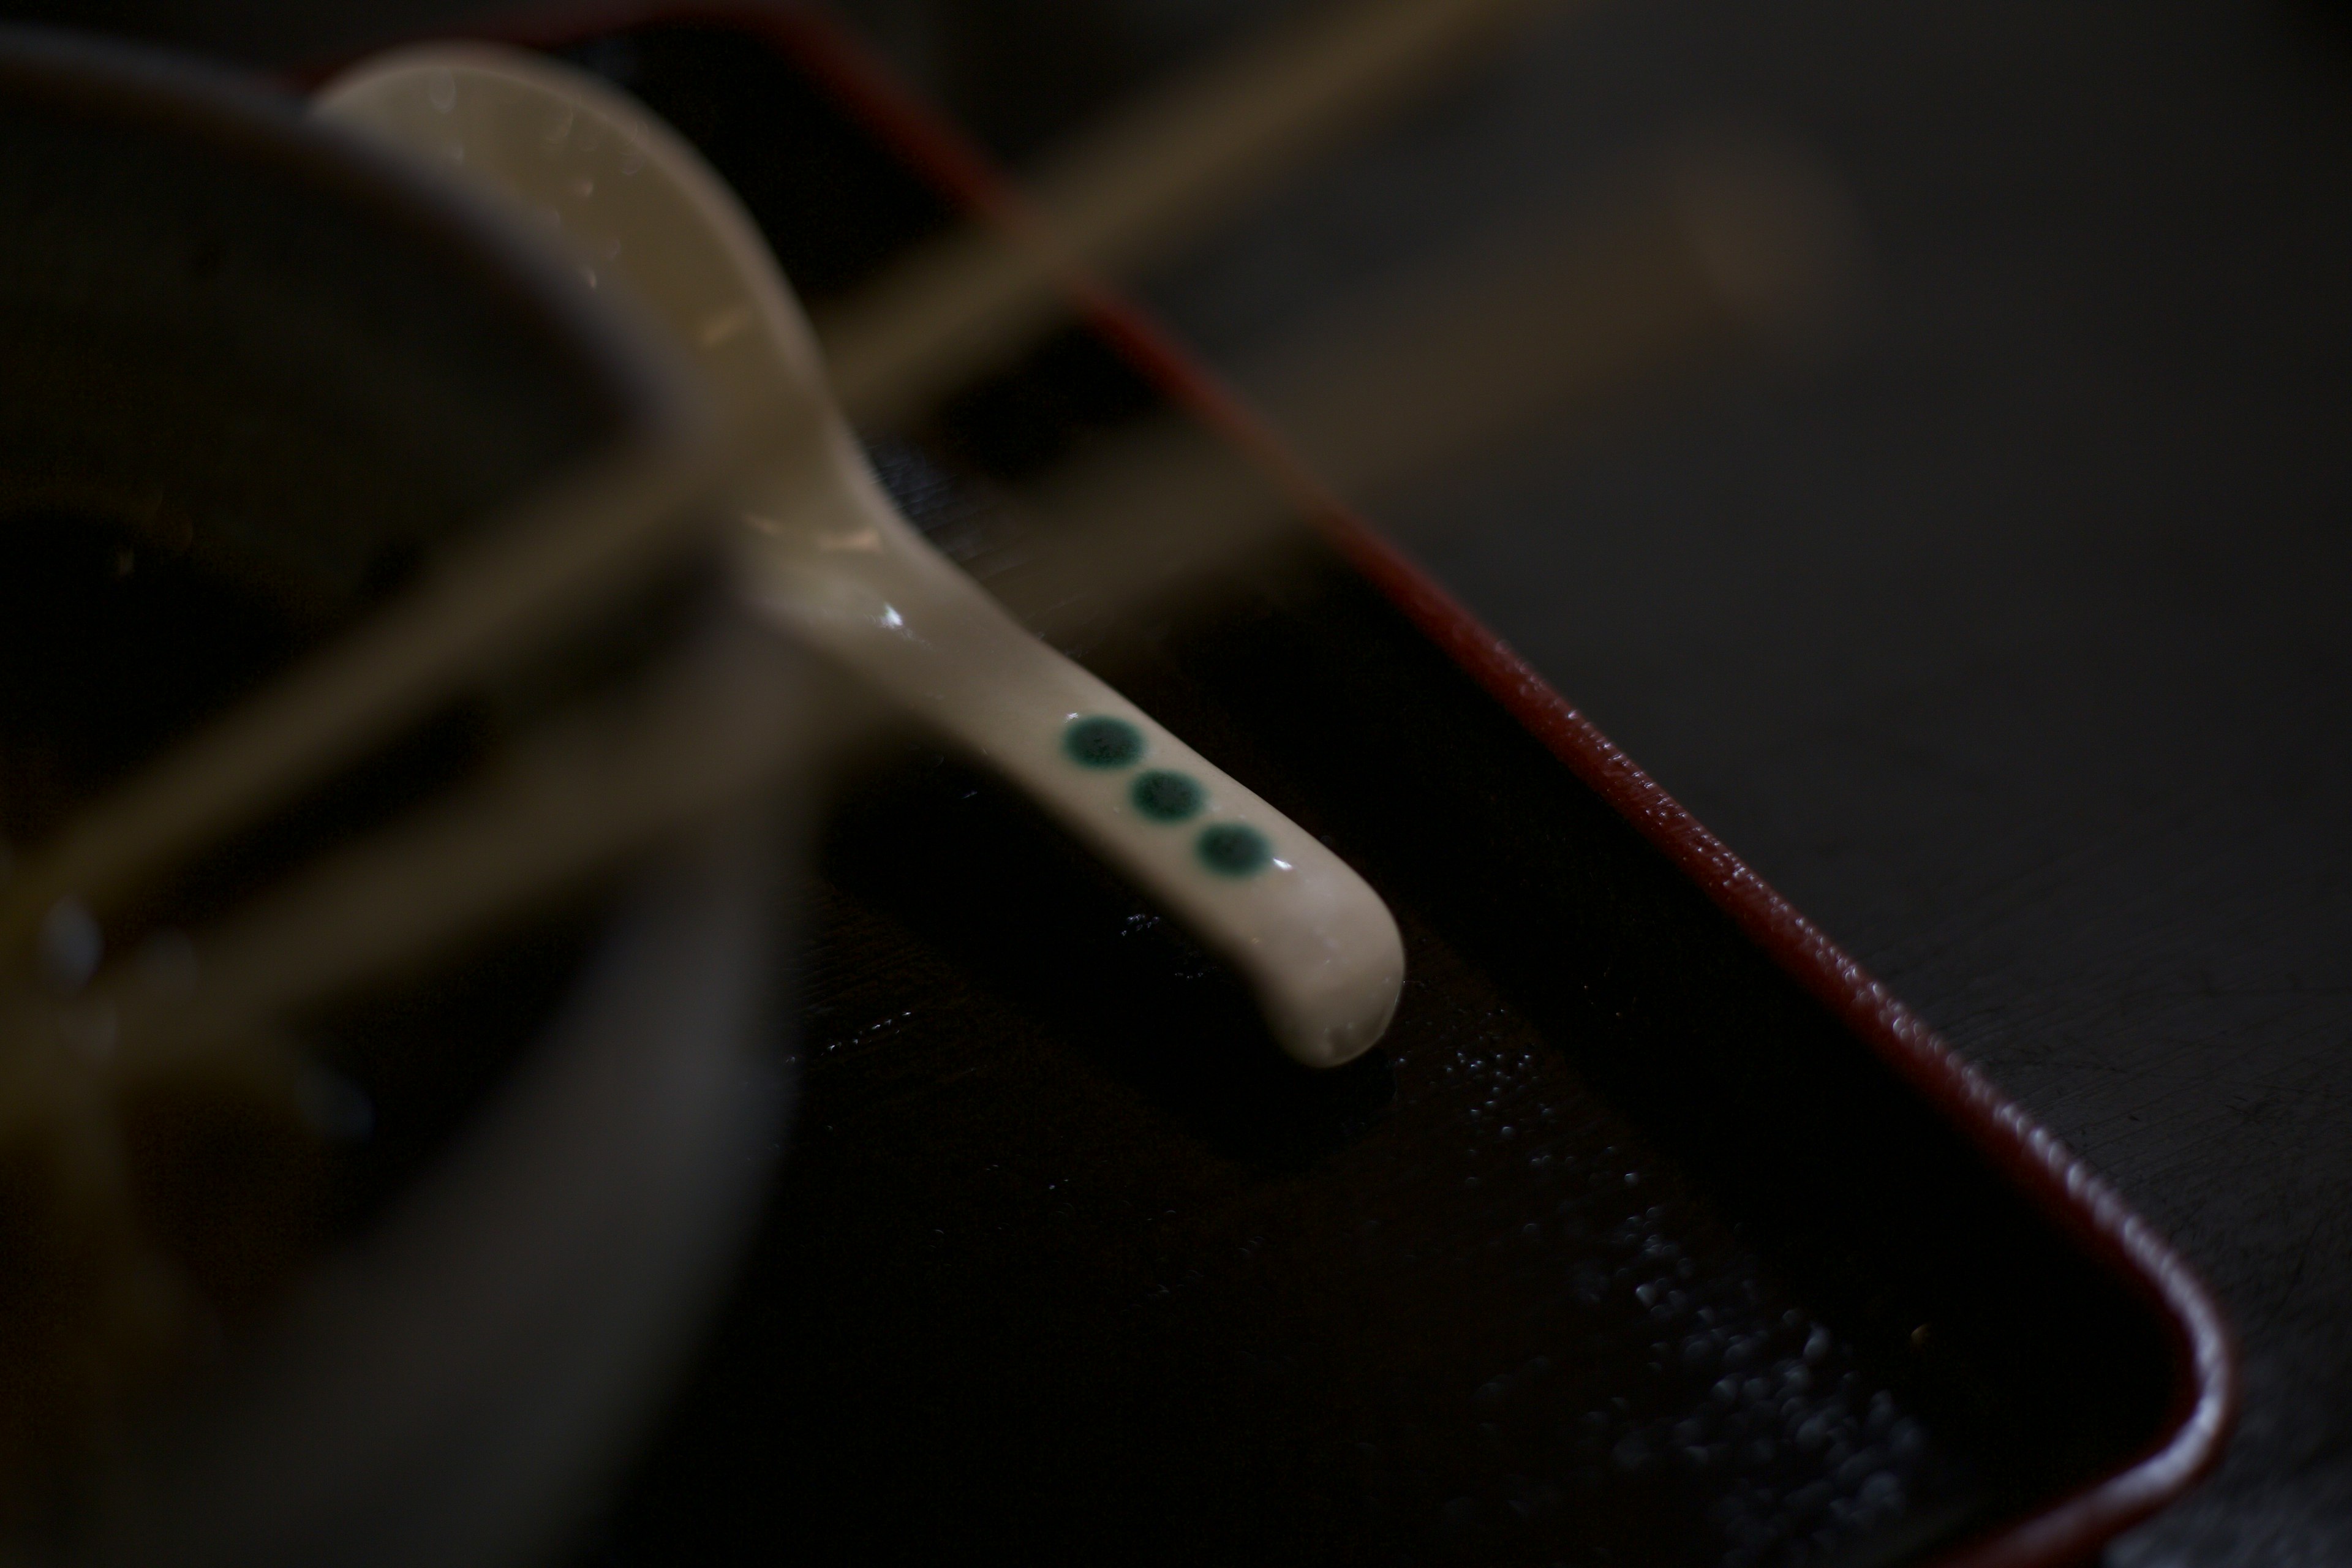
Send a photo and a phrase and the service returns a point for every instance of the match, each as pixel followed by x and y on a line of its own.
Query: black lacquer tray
pixel 1653 1233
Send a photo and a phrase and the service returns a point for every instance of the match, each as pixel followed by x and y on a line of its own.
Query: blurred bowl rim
pixel 448 1385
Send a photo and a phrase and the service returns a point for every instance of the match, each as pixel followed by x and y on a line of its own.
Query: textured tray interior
pixel 1621 1249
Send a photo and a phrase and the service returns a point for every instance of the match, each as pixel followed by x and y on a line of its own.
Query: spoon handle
pixel 1316 945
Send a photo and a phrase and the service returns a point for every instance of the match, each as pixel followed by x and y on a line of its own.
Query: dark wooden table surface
pixel 2008 639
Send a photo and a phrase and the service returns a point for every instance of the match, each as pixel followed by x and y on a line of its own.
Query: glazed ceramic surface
pixel 827 554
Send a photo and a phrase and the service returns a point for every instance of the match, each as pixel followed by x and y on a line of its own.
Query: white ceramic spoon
pixel 828 556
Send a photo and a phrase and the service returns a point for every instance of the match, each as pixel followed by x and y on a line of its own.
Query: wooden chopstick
pixel 567 548
pixel 1128 193
pixel 1702 248
pixel 1431 368
pixel 564 805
